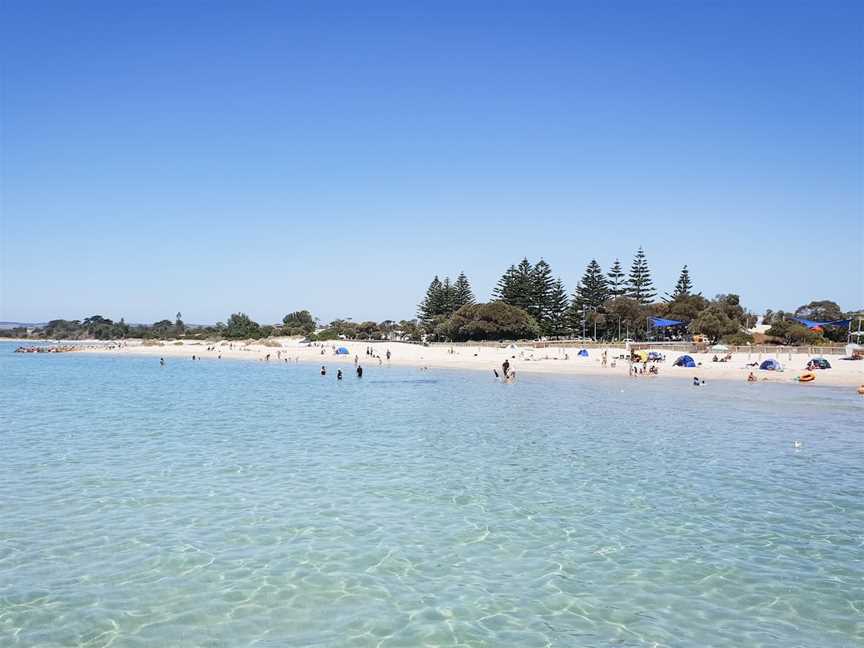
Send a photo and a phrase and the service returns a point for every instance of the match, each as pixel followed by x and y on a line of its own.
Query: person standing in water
pixel 359 371
pixel 505 366
pixel 338 374
pixel 323 370
pixel 161 362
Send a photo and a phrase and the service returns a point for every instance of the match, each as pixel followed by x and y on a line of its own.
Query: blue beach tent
pixel 771 365
pixel 341 351
pixel 583 353
pixel 820 363
pixel 685 361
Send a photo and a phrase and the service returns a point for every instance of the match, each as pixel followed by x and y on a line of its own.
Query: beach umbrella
pixel 722 348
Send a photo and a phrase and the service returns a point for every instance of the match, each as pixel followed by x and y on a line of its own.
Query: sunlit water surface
pixel 221 503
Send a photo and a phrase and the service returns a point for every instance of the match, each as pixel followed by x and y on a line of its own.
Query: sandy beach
pixel 523 360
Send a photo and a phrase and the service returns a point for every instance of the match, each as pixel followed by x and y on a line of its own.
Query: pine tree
pixel 462 292
pixel 639 284
pixel 523 295
pixel 684 286
pixel 448 298
pixel 515 286
pixel 558 303
pixel 617 287
pixel 503 290
pixel 576 311
pixel 542 284
pixel 433 303
pixel 593 290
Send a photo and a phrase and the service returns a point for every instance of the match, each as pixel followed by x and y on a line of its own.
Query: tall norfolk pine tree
pixel 639 285
pixel 462 294
pixel 617 287
pixel 443 298
pixel 593 291
pixel 433 303
pixel 542 285
pixel 533 289
pixel 684 286
pixel 558 304
pixel 516 286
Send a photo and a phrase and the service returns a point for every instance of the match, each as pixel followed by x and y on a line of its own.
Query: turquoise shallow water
pixel 239 504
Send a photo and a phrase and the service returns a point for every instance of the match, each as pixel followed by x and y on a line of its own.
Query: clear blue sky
pixel 209 157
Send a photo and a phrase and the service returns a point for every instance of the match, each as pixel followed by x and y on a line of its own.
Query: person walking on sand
pixel 388 355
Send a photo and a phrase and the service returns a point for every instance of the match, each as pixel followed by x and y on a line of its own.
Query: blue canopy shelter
pixel 684 361
pixel 771 365
pixel 660 322
pixel 341 351
pixel 811 324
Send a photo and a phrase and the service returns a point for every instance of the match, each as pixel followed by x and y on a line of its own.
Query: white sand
pixel 526 360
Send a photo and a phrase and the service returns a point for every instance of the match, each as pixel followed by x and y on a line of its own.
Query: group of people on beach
pixel 635 370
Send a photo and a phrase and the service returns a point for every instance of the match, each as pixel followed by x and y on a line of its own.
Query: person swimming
pixel 695 381
pixel 323 370
pixel 338 374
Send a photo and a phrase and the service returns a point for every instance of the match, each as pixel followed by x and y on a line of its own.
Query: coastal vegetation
pixel 528 301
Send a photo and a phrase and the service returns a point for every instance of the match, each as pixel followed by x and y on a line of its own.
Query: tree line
pixel 527 302
pixel 611 305
pixel 238 326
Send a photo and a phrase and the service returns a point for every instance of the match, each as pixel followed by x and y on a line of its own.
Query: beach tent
pixel 583 353
pixel 685 361
pixel 771 365
pixel 341 351
pixel 512 347
pixel 820 363
pixel 655 355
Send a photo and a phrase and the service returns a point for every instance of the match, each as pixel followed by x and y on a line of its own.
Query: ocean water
pixel 219 503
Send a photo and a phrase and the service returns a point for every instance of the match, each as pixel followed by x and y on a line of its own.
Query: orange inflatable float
pixel 807 377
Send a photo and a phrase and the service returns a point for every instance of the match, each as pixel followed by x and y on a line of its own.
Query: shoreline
pixel 844 373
